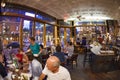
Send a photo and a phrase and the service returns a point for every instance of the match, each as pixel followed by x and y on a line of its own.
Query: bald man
pixel 54 71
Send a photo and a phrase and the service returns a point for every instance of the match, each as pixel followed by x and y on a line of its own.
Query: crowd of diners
pixel 31 61
pixel 45 63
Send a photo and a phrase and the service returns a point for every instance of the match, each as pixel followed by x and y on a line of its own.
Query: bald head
pixel 53 63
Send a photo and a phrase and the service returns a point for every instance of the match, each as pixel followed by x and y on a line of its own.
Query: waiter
pixel 34 48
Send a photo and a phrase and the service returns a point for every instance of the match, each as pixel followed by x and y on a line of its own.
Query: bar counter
pixel 104 61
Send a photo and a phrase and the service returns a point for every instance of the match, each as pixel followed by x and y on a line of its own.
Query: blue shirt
pixel 35 48
pixel 35 68
pixel 60 55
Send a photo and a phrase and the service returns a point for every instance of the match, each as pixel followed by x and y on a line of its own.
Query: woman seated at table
pixel 21 57
pixel 69 49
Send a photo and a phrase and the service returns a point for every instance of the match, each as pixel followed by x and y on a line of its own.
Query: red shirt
pixel 20 57
pixel 100 40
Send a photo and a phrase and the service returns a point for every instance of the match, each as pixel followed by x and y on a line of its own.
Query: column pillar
pixel 65 35
pixel 33 29
pixel 56 35
pixel 21 33
pixel 74 40
pixel 44 35
pixel 72 31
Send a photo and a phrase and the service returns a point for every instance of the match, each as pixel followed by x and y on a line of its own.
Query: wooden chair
pixel 87 56
pixel 44 59
pixel 73 60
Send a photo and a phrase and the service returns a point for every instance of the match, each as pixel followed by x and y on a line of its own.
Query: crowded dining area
pixel 59 40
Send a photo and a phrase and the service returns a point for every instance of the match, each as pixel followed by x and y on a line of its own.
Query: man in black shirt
pixel 3 72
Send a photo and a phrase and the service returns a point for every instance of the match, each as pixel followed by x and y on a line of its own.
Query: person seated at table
pixel 100 39
pixel 35 67
pixel 54 71
pixel 78 41
pixel 43 50
pixel 69 51
pixel 59 54
pixel 83 41
pixel 21 57
pixel 3 72
pixel 49 52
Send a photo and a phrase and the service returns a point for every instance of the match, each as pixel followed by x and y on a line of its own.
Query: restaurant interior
pixel 97 22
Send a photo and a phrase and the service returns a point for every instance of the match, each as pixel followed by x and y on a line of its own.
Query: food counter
pixel 103 61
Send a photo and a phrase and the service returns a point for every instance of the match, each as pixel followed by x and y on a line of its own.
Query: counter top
pixel 105 53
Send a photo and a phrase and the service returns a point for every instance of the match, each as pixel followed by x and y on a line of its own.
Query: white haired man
pixel 54 71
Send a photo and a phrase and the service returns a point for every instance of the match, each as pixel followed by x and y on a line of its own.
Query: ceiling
pixel 76 9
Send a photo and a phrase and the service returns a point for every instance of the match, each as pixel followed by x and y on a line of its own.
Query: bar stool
pixel 87 56
pixel 73 60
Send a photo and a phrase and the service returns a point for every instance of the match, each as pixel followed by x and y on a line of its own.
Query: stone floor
pixel 81 73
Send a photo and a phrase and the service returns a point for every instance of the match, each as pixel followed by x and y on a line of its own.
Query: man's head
pixel 20 51
pixel 58 48
pixel 31 39
pixel 31 57
pixel 53 64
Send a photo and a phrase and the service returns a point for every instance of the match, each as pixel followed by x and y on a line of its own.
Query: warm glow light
pixel 11 38
pixel 6 38
pixel 3 4
pixel 89 18
pixel 96 18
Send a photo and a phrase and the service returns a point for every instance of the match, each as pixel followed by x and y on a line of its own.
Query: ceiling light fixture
pixel 3 4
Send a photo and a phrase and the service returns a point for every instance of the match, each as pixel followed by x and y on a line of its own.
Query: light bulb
pixel 3 4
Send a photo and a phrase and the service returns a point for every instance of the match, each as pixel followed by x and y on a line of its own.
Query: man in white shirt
pixel 95 47
pixel 54 71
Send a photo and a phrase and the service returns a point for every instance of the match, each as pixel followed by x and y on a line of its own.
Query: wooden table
pixel 19 75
